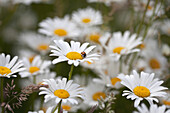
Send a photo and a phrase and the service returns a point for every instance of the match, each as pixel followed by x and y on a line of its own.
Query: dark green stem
pixel 143 18
pixel 58 106
pixel 2 95
pixel 71 72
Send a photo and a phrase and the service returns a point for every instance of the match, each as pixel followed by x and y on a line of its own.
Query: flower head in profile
pixel 9 67
pixel 74 54
pixel 153 109
pixel 61 89
pixel 123 44
pixel 143 86
pixel 87 17
pixel 60 28
pixel 36 67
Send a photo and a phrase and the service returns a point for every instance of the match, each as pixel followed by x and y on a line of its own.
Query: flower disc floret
pixel 141 91
pixel 61 93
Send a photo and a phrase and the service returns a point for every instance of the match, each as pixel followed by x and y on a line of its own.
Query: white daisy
pixel 143 86
pixel 152 60
pixel 61 89
pixel 36 42
pixel 74 54
pixel 97 36
pixel 9 67
pixel 39 79
pixel 166 100
pixel 153 109
pixel 27 53
pixel 36 67
pixel 93 92
pixel 111 76
pixel 122 44
pixel 165 27
pixel 87 17
pixel 60 28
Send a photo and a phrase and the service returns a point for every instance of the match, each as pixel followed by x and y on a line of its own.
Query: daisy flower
pixel 87 17
pixel 166 100
pixel 36 42
pixel 153 109
pixel 61 89
pixel 152 60
pixel 93 92
pixel 9 67
pixel 165 27
pixel 122 44
pixel 111 76
pixel 74 54
pixel 27 53
pixel 60 28
pixel 143 86
pixel 36 67
pixel 97 36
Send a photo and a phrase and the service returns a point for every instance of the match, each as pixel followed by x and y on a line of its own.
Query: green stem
pixel 71 72
pixel 58 106
pixel 2 95
pixel 34 79
pixel 151 18
pixel 140 26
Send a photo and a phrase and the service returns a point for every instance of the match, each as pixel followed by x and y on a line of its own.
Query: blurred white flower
pixel 35 41
pixel 107 2
pixel 93 92
pixel 165 27
pixel 87 17
pixel 59 28
pixel 122 44
pixel 166 50
pixel 34 68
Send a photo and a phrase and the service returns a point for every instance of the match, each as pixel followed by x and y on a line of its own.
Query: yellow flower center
pixel 141 91
pixel 118 49
pixel 66 107
pixel 142 46
pixel 4 70
pixel 149 7
pixel 154 63
pixel 74 56
pixel 98 95
pixel 95 38
pixel 115 80
pixel 86 20
pixel 33 69
pixel 60 32
pixel 61 93
pixel 166 102
pixel 43 47
pixel 31 59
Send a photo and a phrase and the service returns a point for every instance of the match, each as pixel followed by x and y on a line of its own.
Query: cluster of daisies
pixel 125 61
